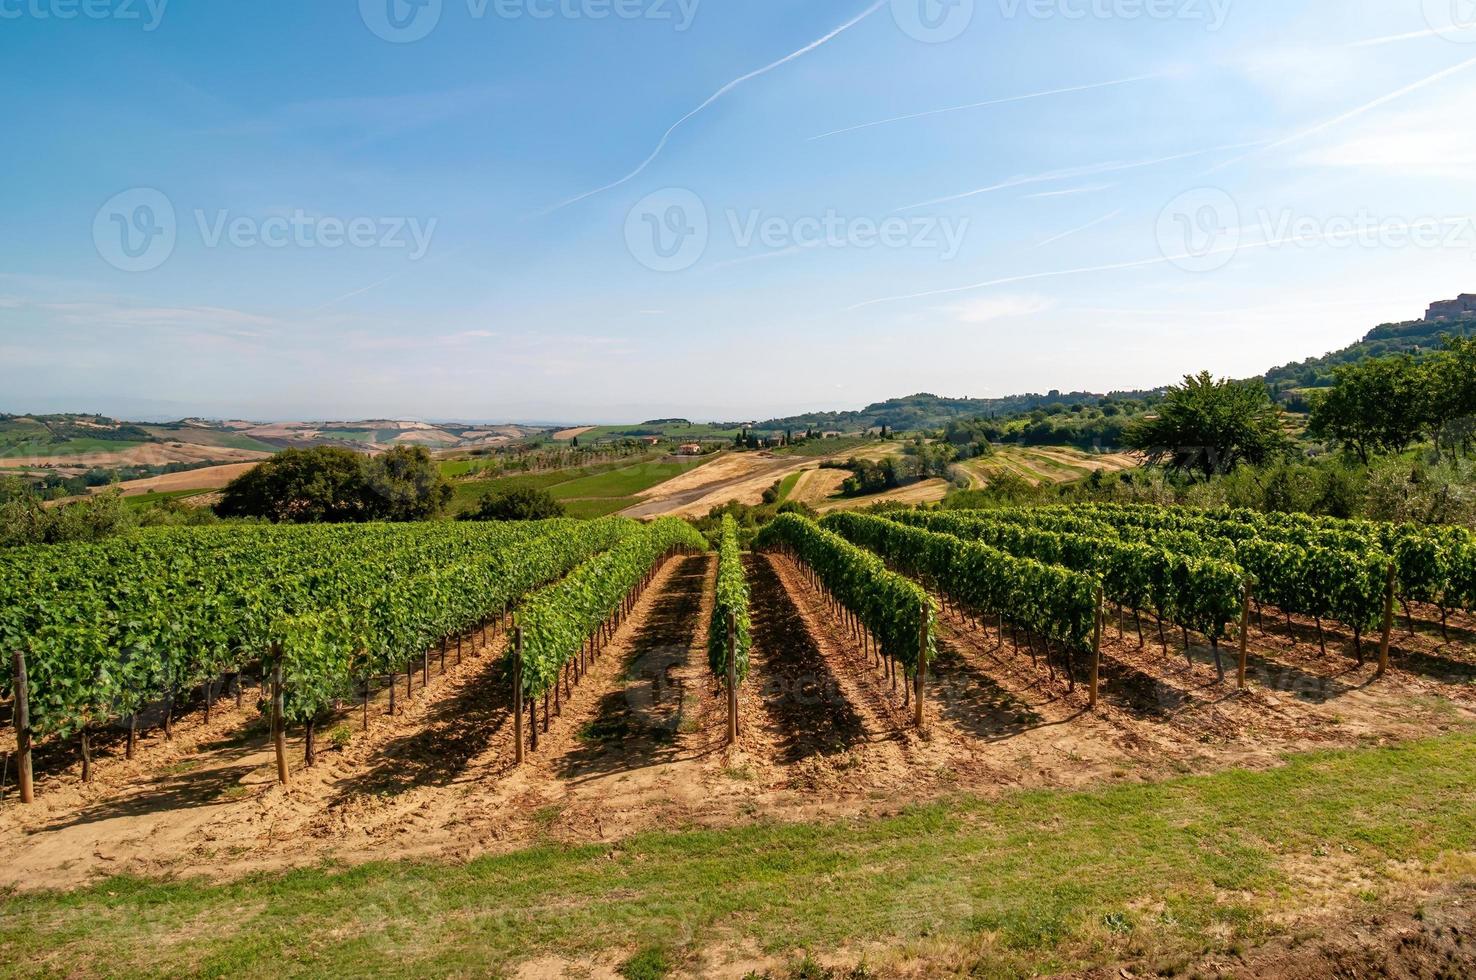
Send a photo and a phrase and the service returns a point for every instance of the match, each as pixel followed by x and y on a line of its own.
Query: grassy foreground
pixel 1033 882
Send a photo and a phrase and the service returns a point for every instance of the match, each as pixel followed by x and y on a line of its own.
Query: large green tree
pixel 1377 405
pixel 1209 427
pixel 407 485
pixel 327 484
pixel 1451 395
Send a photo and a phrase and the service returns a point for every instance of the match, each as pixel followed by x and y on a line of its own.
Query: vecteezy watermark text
pixel 670 230
pixel 150 13
pixel 407 21
pixel 1202 230
pixel 138 230
pixel 302 230
pixel 1211 13
pixel 938 21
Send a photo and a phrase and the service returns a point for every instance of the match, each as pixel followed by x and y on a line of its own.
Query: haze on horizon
pixel 609 210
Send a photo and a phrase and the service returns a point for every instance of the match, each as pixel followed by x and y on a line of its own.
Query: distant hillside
pixel 74 445
pixel 925 411
pixel 1417 337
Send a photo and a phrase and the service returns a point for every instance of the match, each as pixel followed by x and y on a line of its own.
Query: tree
pixel 25 519
pixel 330 485
pixel 324 485
pixel 1378 405
pixel 516 504
pixel 1451 395
pixel 407 485
pixel 1210 427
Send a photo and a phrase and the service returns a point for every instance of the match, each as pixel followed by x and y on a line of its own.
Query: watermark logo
pixel 653 694
pixel 149 13
pixel 1211 13
pixel 407 21
pixel 301 230
pixel 1199 231
pixel 1365 229
pixel 668 231
pixel 136 231
pixel 401 21
pixel 1454 20
pixel 933 21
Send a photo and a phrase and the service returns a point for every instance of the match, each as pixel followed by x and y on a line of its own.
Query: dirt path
pixel 631 749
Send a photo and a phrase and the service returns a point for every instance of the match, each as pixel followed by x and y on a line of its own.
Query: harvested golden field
pixel 1038 465
pixel 153 454
pixel 207 478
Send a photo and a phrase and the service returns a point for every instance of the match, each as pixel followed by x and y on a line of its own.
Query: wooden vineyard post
pixel 518 693
pixel 1388 623
pixel 922 668
pixel 279 724
pixel 732 678
pixel 1096 685
pixel 22 728
pixel 1245 619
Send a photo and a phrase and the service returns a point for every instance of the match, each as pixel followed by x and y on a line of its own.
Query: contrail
pixel 1072 191
pixel 1076 231
pixel 1089 170
pixel 990 102
pixel 666 137
pixel 1350 114
pixel 1392 38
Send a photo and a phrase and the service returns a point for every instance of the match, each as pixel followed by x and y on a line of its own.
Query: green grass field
pixel 71 447
pixel 587 492
pixel 816 448
pixel 150 499
pixel 1034 882
pixel 454 468
pixel 221 438
pixel 627 480
pixel 787 485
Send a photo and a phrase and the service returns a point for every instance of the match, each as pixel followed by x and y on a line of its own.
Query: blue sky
pixel 589 210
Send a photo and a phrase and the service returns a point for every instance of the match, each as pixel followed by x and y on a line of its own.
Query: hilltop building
pixel 1462 306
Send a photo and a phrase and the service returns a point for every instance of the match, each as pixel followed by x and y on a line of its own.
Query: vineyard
pixel 237 698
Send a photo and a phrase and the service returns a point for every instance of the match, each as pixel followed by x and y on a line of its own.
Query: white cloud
pixel 991 308
pixel 1431 140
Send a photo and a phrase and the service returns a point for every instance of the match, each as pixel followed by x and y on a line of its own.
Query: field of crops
pixel 476 687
